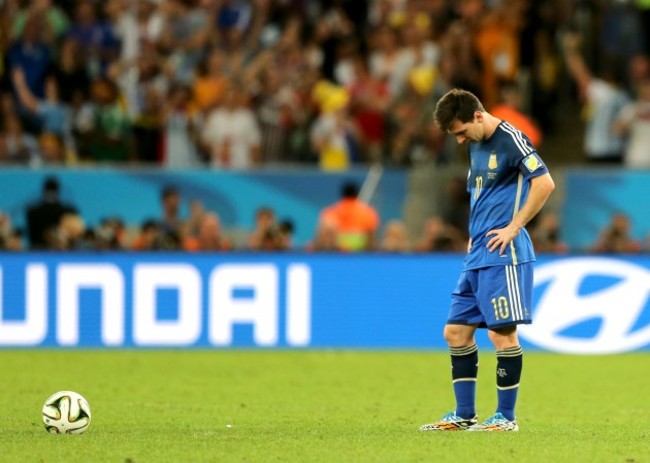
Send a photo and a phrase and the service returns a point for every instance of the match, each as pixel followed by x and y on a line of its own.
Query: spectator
pixel 21 147
pixel 44 216
pixel 438 236
pixel 332 134
pixel 395 238
pixel 639 71
pixel 107 133
pixel 68 234
pixel 179 131
pixel 546 235
pixel 264 222
pixel 634 122
pixel 53 19
pixel 171 225
pixel 509 109
pixel 233 18
pixel 386 61
pixel 232 135
pixel 32 55
pixel 136 28
pixel 369 100
pixel 616 237
pixel 286 229
pixel 210 236
pixel 185 34
pixel 497 46
pixel 604 98
pixel 356 222
pixel 211 81
pixel 96 37
pixel 70 74
pixel 53 114
pixel 413 139
pixel 325 240
pixel 148 237
pixel 52 149
pixel 275 107
pixel 109 235
pixel 10 239
pixel 195 217
pixel 147 127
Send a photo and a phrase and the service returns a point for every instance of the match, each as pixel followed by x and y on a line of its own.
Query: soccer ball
pixel 66 412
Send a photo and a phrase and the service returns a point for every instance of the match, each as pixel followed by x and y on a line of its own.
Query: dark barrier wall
pixel 581 305
pixel 593 196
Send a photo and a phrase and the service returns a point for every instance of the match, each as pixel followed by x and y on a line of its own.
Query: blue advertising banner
pixel 582 304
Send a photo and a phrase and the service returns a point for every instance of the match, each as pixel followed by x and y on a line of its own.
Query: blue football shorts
pixel 493 297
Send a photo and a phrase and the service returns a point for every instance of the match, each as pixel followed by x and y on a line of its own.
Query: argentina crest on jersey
pixel 492 161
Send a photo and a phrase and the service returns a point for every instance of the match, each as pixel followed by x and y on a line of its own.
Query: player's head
pixel 460 113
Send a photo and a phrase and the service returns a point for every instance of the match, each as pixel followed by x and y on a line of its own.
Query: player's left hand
pixel 501 238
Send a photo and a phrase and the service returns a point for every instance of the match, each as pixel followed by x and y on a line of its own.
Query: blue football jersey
pixel 498 182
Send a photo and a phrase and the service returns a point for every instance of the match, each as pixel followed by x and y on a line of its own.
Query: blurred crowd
pixel 236 84
pixel 347 225
pixel 241 83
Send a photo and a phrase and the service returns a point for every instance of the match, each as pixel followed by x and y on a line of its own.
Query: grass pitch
pixel 306 406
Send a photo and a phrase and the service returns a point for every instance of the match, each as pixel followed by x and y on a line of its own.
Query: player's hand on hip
pixel 501 238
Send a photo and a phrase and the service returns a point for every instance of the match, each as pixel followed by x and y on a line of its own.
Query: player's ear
pixel 478 116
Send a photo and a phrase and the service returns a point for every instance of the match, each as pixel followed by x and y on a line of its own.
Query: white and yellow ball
pixel 66 412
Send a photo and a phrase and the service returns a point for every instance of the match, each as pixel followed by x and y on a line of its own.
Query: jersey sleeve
pixel 532 166
pixel 523 154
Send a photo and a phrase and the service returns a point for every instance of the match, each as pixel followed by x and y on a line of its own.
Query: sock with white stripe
pixel 509 366
pixel 464 371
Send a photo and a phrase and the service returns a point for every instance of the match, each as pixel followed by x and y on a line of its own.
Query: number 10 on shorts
pixel 501 310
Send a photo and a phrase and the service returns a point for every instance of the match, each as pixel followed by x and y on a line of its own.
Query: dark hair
pixel 286 226
pixel 149 224
pixel 51 184
pixel 349 190
pixel 456 104
pixel 168 190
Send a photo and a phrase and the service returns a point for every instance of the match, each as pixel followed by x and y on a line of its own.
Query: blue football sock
pixel 509 366
pixel 464 371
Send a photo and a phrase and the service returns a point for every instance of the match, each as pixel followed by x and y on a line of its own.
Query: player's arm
pixel 540 189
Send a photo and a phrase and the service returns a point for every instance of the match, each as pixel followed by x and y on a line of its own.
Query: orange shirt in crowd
pixel 195 244
pixel 356 223
pixel 208 92
pixel 520 121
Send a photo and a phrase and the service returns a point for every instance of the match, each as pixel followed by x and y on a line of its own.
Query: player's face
pixel 468 131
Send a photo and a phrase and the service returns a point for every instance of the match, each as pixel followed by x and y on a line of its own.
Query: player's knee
pixel 503 338
pixel 458 335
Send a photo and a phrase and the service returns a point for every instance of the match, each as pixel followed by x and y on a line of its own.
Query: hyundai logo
pixel 610 294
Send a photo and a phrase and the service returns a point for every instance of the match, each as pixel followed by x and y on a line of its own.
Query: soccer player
pixel 509 184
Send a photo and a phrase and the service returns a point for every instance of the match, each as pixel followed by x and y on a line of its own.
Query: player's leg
pixel 464 367
pixel 509 366
pixel 464 317
pixel 505 296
